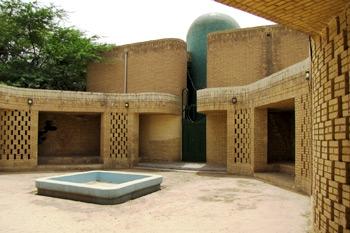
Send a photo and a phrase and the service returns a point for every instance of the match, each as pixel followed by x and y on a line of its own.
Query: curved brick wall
pixel 244 128
pixel 329 25
pixel 153 66
pixel 243 56
pixel 19 122
pixel 331 126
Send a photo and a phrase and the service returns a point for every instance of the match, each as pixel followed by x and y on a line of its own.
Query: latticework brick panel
pixel 15 135
pixel 331 150
pixel 241 136
pixel 118 135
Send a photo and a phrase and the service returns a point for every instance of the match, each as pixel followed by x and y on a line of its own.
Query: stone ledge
pixel 212 99
pixel 146 46
pixel 16 98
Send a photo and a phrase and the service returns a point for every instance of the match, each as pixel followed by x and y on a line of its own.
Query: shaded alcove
pixel 159 138
pixel 69 138
pixel 281 136
pixel 274 137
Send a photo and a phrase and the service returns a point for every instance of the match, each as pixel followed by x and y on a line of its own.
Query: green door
pixel 194 140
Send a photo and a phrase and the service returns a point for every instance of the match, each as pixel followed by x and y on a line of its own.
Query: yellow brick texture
pixel 17 132
pixel 118 140
pixel 303 145
pixel 243 56
pixel 305 15
pixel 76 135
pixel 152 66
pixel 114 132
pixel 247 120
pixel 216 138
pixel 160 137
pixel 331 177
pixel 260 140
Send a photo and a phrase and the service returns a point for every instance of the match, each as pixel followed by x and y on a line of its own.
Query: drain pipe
pixel 126 71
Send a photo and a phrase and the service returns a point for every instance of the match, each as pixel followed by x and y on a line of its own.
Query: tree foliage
pixel 37 52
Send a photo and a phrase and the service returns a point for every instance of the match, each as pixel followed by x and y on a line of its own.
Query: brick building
pixel 277 99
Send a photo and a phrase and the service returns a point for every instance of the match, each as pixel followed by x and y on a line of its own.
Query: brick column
pixel 238 141
pixel 259 140
pixel 34 123
pixel 133 139
pixel 303 143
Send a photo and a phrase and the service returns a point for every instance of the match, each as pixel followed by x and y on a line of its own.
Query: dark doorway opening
pixel 193 122
pixel 69 138
pixel 281 136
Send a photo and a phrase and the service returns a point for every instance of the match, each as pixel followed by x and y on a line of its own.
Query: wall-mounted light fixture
pixel 30 101
pixel 307 75
pixel 234 100
pixel 126 104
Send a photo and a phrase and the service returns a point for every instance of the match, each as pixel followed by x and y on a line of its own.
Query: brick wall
pixel 259 140
pixel 243 56
pixel 303 142
pixel 160 137
pixel 152 66
pixel 329 24
pixel 106 76
pixel 331 125
pixel 216 138
pixel 119 126
pixel 247 134
pixel 76 135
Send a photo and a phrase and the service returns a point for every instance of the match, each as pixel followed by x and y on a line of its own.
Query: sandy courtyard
pixel 187 202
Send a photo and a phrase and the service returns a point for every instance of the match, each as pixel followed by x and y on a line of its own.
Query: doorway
pixel 281 137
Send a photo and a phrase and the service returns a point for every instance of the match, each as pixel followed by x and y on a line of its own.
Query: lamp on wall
pixel 307 75
pixel 234 100
pixel 126 105
pixel 30 101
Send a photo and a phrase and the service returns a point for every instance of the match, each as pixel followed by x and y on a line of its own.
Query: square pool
pixel 101 187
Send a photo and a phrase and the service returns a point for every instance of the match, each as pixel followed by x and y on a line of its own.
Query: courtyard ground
pixel 187 202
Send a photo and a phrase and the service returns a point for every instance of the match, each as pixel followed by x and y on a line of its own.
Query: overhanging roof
pixel 309 16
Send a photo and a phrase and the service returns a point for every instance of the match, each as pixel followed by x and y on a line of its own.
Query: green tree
pixel 37 52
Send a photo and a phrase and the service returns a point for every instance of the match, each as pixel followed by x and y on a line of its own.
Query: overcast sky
pixel 128 21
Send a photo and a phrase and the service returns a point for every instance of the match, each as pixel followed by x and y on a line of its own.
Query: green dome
pixel 197 42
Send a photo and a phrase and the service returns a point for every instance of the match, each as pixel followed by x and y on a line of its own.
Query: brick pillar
pixel 18 139
pixel 260 140
pixel 331 113
pixel 216 138
pixel 133 139
pixel 105 137
pixel 238 141
pixel 116 139
pixel 34 137
pixel 303 143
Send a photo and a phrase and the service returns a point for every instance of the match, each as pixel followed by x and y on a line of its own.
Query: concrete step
pixel 182 166
pixel 66 160
pixel 70 167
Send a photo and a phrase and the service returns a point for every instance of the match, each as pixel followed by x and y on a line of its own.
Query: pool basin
pixel 100 187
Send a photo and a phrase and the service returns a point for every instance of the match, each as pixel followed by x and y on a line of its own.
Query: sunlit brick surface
pixel 331 66
pixel 305 15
